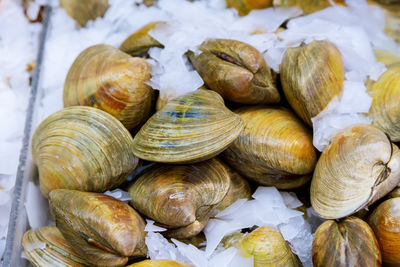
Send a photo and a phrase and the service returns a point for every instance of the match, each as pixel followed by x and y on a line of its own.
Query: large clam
pixel 103 230
pixel 83 11
pixel 236 70
pixel 82 148
pixel 311 76
pixel 190 128
pixel 106 78
pixel 360 166
pixel 275 148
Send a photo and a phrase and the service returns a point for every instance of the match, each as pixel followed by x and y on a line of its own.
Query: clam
pixel 274 149
pixel 82 148
pixel 102 229
pixel 181 197
pixel 385 108
pixel 236 70
pixel 311 76
pixel 83 11
pixel 392 25
pixel 106 78
pixel 386 57
pixel 46 246
pixel 245 6
pixel 159 263
pixel 190 128
pixel 308 6
pixel 394 193
pixel 139 42
pixel 268 248
pixel 348 242
pixel 385 221
pixel 360 166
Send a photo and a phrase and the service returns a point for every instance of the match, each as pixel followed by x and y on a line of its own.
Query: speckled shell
pixel 308 6
pixel 106 78
pixel 181 197
pixel 82 148
pixel 245 6
pixel 349 242
pixel 311 76
pixel 235 70
pixel 190 128
pixel 159 263
pixel 274 149
pixel 100 228
pixel 385 108
pixel 83 11
pixel 385 221
pixel 46 246
pixel 360 166
pixel 139 42
pixel 268 248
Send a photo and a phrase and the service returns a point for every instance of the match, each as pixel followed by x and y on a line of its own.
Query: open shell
pixel 190 128
pixel 360 166
pixel 274 149
pixel 82 148
pixel 106 78
pixel 83 11
pixel 100 228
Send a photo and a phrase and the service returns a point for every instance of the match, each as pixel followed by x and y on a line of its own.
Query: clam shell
pixel 308 6
pixel 46 246
pixel 274 149
pixel 245 6
pixel 386 57
pixel 360 166
pixel 235 70
pixel 100 228
pixel 385 108
pixel 349 242
pixel 82 148
pixel 311 76
pixel 159 263
pixel 83 11
pixel 385 221
pixel 190 128
pixel 106 78
pixel 181 197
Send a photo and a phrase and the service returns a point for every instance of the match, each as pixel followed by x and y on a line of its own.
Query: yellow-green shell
pixel 84 10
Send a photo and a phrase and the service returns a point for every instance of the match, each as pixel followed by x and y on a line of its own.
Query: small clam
pixel 349 242
pixel 236 70
pixel 268 248
pixel 245 6
pixel 181 197
pixel 190 128
pixel 385 108
pixel 106 78
pixel 360 166
pixel 385 221
pixel 83 11
pixel 308 6
pixel 159 263
pixel 386 57
pixel 102 229
pixel 46 246
pixel 274 149
pixel 311 76
pixel 82 148
pixel 139 42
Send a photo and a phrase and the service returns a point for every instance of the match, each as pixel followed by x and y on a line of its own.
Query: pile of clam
pixel 192 156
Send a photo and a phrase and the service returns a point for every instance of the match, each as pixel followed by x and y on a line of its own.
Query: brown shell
pixel 181 197
pixel 83 11
pixel 311 76
pixel 274 149
pixel 106 78
pixel 190 128
pixel 82 148
pixel 100 228
pixel 349 242
pixel 385 221
pixel 159 263
pixel 235 70
pixel 245 6
pixel 308 6
pixel 360 166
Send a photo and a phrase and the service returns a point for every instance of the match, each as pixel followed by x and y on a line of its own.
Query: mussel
pixel 360 166
pixel 385 108
pixel 102 229
pixel 190 128
pixel 385 221
pixel 46 246
pixel 245 6
pixel 82 148
pixel 83 11
pixel 311 76
pixel 348 242
pixel 308 6
pixel 106 78
pixel 159 263
pixel 236 70
pixel 274 149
